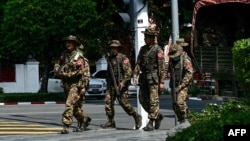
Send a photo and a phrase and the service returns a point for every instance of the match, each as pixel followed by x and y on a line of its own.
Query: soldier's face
pixel 70 45
pixel 149 39
pixel 113 50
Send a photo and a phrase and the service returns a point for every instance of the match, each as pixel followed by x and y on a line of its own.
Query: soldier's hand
pixel 135 80
pixel 177 89
pixel 83 91
pixel 162 86
pixel 121 85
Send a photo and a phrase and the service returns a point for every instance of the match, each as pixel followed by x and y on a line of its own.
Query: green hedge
pixel 31 97
pixel 207 125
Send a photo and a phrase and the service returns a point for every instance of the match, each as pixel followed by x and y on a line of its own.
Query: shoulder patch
pixel 126 61
pixel 160 54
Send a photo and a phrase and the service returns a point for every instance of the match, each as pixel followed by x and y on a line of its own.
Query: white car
pixel 97 88
pixel 101 74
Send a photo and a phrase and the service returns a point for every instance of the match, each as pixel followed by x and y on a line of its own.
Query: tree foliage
pixel 36 27
pixel 241 60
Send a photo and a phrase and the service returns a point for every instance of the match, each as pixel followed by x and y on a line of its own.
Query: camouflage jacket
pixel 150 62
pixel 121 68
pixel 182 71
pixel 74 69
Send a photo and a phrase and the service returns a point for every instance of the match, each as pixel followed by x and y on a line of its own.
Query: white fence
pixel 27 79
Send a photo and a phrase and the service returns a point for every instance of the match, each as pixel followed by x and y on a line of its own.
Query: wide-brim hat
pixel 181 42
pixel 150 32
pixel 72 38
pixel 115 43
pixel 175 50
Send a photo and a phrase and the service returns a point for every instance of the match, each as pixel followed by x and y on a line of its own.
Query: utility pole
pixel 140 24
pixel 175 20
pixel 175 29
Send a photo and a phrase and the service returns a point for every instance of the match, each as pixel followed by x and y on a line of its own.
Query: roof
pixel 203 3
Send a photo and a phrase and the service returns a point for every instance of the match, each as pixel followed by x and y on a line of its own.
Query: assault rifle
pixel 111 71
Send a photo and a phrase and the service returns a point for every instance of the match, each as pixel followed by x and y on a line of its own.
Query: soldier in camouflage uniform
pixel 181 70
pixel 122 74
pixel 73 68
pixel 150 67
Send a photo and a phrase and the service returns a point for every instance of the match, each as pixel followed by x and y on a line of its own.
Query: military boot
pixel 87 121
pixel 138 121
pixel 149 126
pixel 65 129
pixel 109 124
pixel 82 125
pixel 158 121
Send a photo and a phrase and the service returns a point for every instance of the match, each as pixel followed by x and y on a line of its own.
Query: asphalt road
pixel 43 122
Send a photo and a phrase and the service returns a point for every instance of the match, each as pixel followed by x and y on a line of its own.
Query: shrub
pixel 1 90
pixel 207 125
pixel 31 97
pixel 241 60
pixel 194 90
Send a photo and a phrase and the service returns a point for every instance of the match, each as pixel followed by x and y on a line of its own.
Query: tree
pixel 34 27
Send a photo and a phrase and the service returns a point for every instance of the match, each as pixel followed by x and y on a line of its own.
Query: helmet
pixel 72 38
pixel 150 32
pixel 115 43
pixel 181 42
pixel 175 50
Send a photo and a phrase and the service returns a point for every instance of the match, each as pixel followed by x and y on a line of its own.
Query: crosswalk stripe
pixel 21 128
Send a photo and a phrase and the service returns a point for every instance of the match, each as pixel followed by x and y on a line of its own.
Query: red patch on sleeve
pixel 160 55
pixel 125 61
pixel 79 62
pixel 189 66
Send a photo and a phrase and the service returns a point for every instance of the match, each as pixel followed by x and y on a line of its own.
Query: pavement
pixel 124 130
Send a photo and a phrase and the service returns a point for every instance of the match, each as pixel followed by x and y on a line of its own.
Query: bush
pixel 31 97
pixel 194 90
pixel 1 90
pixel 241 60
pixel 207 125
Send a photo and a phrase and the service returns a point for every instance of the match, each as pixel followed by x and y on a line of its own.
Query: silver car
pixel 97 88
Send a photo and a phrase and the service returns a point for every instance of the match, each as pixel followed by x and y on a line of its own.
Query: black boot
pixel 87 121
pixel 65 129
pixel 149 126
pixel 109 124
pixel 138 121
pixel 158 121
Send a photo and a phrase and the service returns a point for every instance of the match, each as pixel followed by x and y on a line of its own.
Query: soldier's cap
pixel 150 32
pixel 181 42
pixel 115 43
pixel 175 50
pixel 72 38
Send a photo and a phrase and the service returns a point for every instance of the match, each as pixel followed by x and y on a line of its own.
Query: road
pixel 43 122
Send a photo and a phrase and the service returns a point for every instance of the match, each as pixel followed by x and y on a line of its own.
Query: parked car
pixel 101 74
pixel 97 87
pixel 132 89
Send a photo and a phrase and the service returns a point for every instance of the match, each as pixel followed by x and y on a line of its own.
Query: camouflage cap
pixel 72 38
pixel 150 32
pixel 181 42
pixel 115 43
pixel 175 50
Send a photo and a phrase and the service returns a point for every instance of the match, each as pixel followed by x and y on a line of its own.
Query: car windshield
pixel 100 74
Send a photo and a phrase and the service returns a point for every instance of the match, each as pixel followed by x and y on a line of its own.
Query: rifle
pixel 113 76
pixel 173 92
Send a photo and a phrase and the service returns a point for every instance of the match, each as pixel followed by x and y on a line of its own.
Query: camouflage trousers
pixel 180 106
pixel 110 98
pixel 73 106
pixel 149 99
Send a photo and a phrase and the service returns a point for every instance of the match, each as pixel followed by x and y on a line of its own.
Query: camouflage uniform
pixel 150 62
pixel 75 74
pixel 181 70
pixel 122 73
